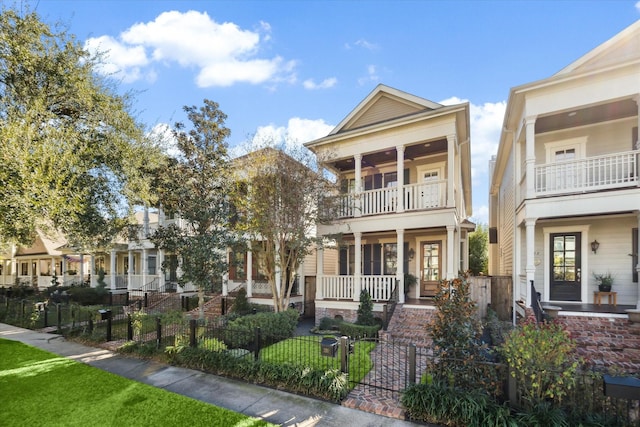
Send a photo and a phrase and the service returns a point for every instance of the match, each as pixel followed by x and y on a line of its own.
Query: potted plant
pixel 605 281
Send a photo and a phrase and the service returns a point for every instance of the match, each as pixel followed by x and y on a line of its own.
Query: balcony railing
pixel 419 196
pixel 342 287
pixel 593 173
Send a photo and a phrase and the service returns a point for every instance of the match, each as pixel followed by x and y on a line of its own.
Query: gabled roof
pixel 44 245
pixel 382 104
pixel 623 47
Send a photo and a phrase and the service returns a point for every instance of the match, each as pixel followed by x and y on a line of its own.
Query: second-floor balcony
pixel 410 197
pixel 589 174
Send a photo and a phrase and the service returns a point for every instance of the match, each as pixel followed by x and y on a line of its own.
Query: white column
pixel 131 269
pixel 145 266
pixel 400 264
pixel 112 269
pixel 357 160
pixel 278 273
pixel 451 170
pixel 81 268
pixel 451 270
pixel 637 141
pixel 145 222
pixel 225 284
pixel 530 159
pixel 357 276
pixel 319 271
pixel 159 271
pixel 249 272
pixel 530 224
pixel 400 173
pixel 92 263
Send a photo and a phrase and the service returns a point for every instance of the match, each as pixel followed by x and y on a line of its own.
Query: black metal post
pixel 258 343
pixel 192 333
pixel 109 327
pixel 146 300
pixel 223 306
pixel 412 363
pixel 126 298
pixel 46 316
pixel 90 325
pixel 344 354
pixel 59 314
pixel 129 328
pixel 158 332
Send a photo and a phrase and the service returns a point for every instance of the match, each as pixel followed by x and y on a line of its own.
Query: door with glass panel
pixel 565 280
pixel 431 267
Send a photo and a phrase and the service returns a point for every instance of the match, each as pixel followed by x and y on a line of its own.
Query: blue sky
pixel 294 69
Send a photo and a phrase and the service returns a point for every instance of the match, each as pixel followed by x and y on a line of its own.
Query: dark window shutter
pixel 344 261
pixel 377 259
pixel 367 260
pixel 493 235
pixel 634 253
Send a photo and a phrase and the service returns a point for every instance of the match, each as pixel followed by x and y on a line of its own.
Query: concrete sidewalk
pixel 271 405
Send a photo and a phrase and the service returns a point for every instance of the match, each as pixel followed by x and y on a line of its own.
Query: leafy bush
pixel 241 304
pixel 274 327
pixel 440 404
pixel 365 310
pixel 87 296
pixel 358 331
pixel 541 360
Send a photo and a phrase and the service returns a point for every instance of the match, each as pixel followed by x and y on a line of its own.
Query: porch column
pixel 400 175
pixel 278 273
pixel 159 271
pixel 112 269
pixel 451 170
pixel 225 284
pixel 530 224
pixel 130 271
pixel 81 269
pixel 145 222
pixel 145 267
pixel 92 264
pixel 357 160
pixel 530 159
pixel 161 215
pixel 400 264
pixel 637 141
pixel 249 272
pixel 63 272
pixel 319 271
pixel 357 276
pixel 637 251
pixel 451 272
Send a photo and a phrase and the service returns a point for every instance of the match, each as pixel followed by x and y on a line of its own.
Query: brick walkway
pixel 380 390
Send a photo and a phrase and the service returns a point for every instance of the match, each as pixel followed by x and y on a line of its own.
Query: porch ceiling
pixel 594 114
pixel 411 152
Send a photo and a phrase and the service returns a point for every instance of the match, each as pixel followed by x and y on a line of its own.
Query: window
pixel 567 154
pixel 431 261
pixel 257 266
pixel 24 268
pixel 390 258
pixel 376 259
pixel 151 265
pixel 99 264
pixel 237 266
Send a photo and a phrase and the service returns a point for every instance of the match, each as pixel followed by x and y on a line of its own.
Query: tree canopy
pixel 478 250
pixel 73 157
pixel 280 205
pixel 196 186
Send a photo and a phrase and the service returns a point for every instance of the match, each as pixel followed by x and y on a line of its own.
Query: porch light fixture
pixel 594 246
pixel 411 254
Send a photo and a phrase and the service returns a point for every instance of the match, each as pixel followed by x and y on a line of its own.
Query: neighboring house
pixel 403 167
pixel 565 190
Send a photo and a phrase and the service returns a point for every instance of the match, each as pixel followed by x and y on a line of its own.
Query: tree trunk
pixel 201 304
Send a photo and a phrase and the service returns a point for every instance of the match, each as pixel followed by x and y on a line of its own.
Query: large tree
pixel 72 156
pixel 478 250
pixel 280 210
pixel 196 186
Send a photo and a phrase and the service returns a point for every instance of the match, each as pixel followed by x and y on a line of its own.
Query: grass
pixel 40 388
pixel 306 351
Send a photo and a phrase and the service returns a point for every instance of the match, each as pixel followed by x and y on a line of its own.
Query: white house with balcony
pixel 565 192
pixel 403 167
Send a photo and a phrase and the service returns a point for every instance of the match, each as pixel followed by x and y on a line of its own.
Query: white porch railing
pixel 342 287
pixel 385 200
pixel 593 173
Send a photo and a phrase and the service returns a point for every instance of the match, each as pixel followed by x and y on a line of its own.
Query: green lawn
pixel 306 351
pixel 40 388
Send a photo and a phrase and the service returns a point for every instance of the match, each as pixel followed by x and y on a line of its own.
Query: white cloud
pixel 162 134
pixel 325 84
pixel 638 6
pixel 486 125
pixel 223 53
pixel 296 133
pixel 363 44
pixel 121 61
pixel 372 75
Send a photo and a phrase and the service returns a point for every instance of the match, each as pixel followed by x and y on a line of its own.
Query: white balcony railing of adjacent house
pixel 342 287
pixel 593 173
pixel 385 200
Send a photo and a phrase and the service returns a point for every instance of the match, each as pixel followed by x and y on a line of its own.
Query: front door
pixel 431 268
pixel 565 281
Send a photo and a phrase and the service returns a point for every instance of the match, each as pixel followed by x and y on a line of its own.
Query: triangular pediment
pixel 623 47
pixel 384 104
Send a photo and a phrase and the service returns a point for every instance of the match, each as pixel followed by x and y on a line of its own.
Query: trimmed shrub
pixel 273 326
pixel 358 331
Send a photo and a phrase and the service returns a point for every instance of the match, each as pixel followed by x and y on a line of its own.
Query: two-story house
pixel 565 192
pixel 403 166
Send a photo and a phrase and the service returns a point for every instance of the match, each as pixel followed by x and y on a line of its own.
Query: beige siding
pixel 506 218
pixel 384 109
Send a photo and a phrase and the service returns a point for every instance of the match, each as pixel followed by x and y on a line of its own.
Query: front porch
pixel 582 309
